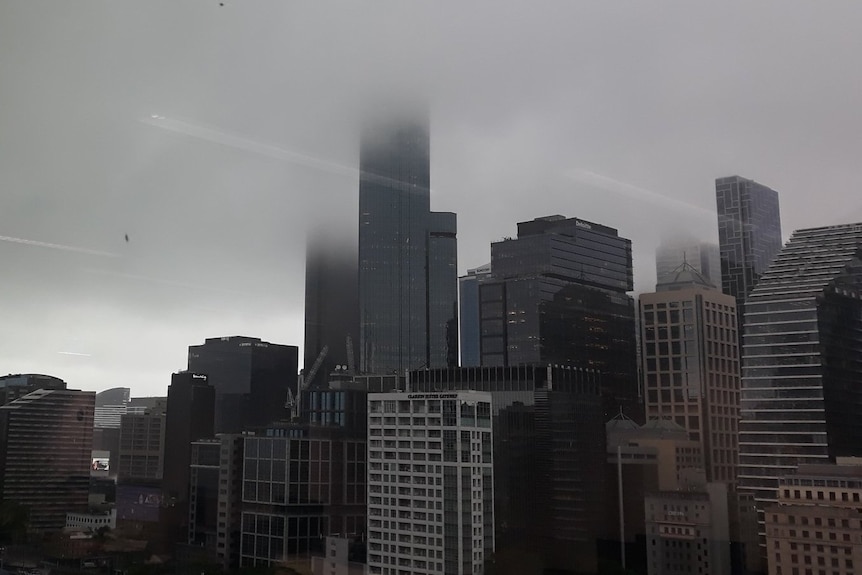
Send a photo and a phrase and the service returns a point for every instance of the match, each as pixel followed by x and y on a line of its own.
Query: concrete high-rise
pixel 468 288
pixel 558 295
pixel 702 256
pixel 46 440
pixel 407 255
pixel 800 402
pixel 447 465
pixel 749 234
pixel 251 379
pixel 691 365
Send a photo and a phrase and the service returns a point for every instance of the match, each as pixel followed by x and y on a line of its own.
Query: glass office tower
pixel 801 366
pixel 557 294
pixel 749 233
pixel 407 255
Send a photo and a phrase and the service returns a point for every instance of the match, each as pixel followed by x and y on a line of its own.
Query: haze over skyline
pixel 216 136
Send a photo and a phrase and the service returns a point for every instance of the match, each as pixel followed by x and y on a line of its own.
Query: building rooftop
pixel 683 276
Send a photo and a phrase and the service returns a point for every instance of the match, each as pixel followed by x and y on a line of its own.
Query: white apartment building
pixel 430 483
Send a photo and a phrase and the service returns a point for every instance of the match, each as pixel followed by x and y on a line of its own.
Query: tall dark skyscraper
pixel 251 380
pixel 558 295
pixel 191 401
pixel 407 255
pixel 801 367
pixel 749 234
pixel 331 300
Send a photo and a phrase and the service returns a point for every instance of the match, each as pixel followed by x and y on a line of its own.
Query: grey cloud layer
pixel 621 113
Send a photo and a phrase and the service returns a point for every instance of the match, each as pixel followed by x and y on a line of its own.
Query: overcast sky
pixel 215 136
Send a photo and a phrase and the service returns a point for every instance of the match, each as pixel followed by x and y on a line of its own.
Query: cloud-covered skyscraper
pixel 407 254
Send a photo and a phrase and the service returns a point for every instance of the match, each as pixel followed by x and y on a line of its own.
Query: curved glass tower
pixel 407 255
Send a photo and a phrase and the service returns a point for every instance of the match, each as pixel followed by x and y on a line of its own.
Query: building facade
pixel 549 456
pixel 558 295
pixel 749 234
pixel 816 526
pixel 300 484
pixel 251 379
pixel 468 288
pixel 142 445
pixel 803 329
pixel 215 496
pixel 691 365
pixel 688 532
pixel 46 442
pixel 407 255
pixel 430 483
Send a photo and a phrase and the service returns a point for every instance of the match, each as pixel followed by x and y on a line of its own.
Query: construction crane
pixel 304 381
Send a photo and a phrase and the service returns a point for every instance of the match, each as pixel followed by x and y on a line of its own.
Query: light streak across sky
pixel 62 247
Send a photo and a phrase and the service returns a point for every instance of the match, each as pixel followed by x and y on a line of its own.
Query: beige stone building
pixel 816 526
pixel 689 348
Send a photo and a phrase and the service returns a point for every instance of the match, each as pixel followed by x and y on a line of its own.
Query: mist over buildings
pixel 218 137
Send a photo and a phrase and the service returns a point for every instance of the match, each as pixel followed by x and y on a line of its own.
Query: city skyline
pixel 254 141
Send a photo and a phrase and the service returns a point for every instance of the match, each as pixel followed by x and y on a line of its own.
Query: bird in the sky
pixel 127 238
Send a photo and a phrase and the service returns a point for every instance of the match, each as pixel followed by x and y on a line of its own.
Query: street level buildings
pixel 800 367
pixel 408 276
pixel 430 483
pixel 46 442
pixel 691 365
